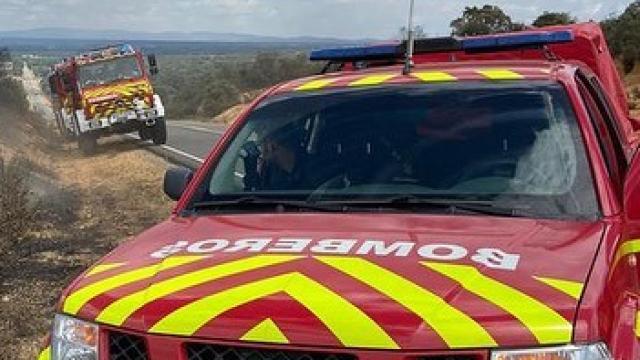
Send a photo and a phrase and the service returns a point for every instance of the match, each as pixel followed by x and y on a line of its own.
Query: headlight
pixel 572 352
pixel 73 339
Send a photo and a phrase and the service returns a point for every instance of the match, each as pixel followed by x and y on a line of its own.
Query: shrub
pixel 12 96
pixel 16 211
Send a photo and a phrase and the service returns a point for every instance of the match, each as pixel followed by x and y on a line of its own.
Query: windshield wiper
pixel 452 206
pixel 251 203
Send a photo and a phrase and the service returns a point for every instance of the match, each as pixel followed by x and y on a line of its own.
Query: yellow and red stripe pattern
pixel 45 354
pixel 103 101
pixel 429 75
pixel 346 301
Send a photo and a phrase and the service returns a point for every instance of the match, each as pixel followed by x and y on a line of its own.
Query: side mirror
pixel 153 64
pixel 176 180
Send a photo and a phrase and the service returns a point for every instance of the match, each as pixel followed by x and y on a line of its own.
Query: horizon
pixel 332 19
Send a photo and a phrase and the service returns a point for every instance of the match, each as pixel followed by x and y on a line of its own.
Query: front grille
pixel 218 352
pixel 126 347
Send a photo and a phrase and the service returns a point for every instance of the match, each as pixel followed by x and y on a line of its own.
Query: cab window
pixel 509 145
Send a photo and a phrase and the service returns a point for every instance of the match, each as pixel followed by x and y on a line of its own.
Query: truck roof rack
pixel 490 43
pixel 104 53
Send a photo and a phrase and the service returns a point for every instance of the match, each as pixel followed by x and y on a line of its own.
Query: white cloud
pixel 339 18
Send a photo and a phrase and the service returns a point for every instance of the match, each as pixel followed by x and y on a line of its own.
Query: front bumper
pixel 127 117
pixel 115 344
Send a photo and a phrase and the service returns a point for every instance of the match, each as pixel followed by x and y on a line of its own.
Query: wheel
pixel 87 143
pixel 62 129
pixel 159 132
pixel 145 133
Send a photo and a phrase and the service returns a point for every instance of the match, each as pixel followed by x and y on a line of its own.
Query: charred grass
pixel 66 211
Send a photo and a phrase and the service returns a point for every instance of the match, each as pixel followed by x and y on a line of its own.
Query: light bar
pixel 448 44
pixel 516 40
pixel 388 51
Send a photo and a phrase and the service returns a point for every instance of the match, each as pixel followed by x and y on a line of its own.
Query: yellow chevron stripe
pixel 373 80
pixel 456 328
pixel 500 74
pixel 571 288
pixel 351 326
pixel 267 331
pixel 545 324
pixel 118 312
pixel 76 300
pixel 45 354
pixel 434 76
pixel 127 89
pixel 637 327
pixel 315 84
pixel 626 249
pixel 102 268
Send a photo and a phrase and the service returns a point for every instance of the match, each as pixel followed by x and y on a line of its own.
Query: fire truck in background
pixel 107 91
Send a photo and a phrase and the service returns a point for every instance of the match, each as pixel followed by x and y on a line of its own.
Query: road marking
pixel 172 149
pixel 194 128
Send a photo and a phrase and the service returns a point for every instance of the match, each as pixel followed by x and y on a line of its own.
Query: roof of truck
pixel 432 73
pixel 527 53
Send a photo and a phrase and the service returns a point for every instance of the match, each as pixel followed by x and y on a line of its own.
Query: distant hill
pixel 84 34
pixel 67 41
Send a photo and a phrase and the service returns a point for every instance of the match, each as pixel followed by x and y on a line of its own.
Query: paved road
pixel 192 138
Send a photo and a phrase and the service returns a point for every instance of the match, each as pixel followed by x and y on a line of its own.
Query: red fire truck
pixel 107 91
pixel 484 204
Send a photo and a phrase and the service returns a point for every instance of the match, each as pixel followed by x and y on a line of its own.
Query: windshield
pixel 514 145
pixel 104 72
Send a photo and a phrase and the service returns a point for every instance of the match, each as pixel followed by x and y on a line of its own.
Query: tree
pixel 5 59
pixel 549 18
pixel 623 36
pixel 488 19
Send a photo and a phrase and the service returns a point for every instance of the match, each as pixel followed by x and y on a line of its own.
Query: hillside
pixel 59 213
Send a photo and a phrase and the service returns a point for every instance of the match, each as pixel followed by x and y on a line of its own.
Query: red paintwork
pixel 575 251
pixel 550 240
pixel 69 68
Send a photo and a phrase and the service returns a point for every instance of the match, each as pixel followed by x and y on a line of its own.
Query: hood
pixel 355 281
pixel 106 99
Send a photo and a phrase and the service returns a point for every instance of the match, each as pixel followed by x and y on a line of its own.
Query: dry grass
pixel 17 212
pixel 86 207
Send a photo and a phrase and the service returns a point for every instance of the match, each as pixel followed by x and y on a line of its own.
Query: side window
pixel 607 140
pixel 610 119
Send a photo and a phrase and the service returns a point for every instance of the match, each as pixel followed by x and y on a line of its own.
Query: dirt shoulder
pixel 85 206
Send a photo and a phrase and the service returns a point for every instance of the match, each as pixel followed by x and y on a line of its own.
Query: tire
pixel 62 129
pixel 145 133
pixel 87 143
pixel 159 132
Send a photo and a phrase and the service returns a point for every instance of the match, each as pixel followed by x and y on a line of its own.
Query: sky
pixel 378 19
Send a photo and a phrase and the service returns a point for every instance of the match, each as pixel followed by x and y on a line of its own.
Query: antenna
pixel 408 60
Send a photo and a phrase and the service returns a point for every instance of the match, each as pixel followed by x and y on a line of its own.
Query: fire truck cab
pixel 107 91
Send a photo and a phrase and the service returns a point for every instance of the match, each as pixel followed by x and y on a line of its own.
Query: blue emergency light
pixel 373 52
pixel 517 40
pixel 471 44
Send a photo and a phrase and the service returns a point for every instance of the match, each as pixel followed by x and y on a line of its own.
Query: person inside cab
pixel 281 164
